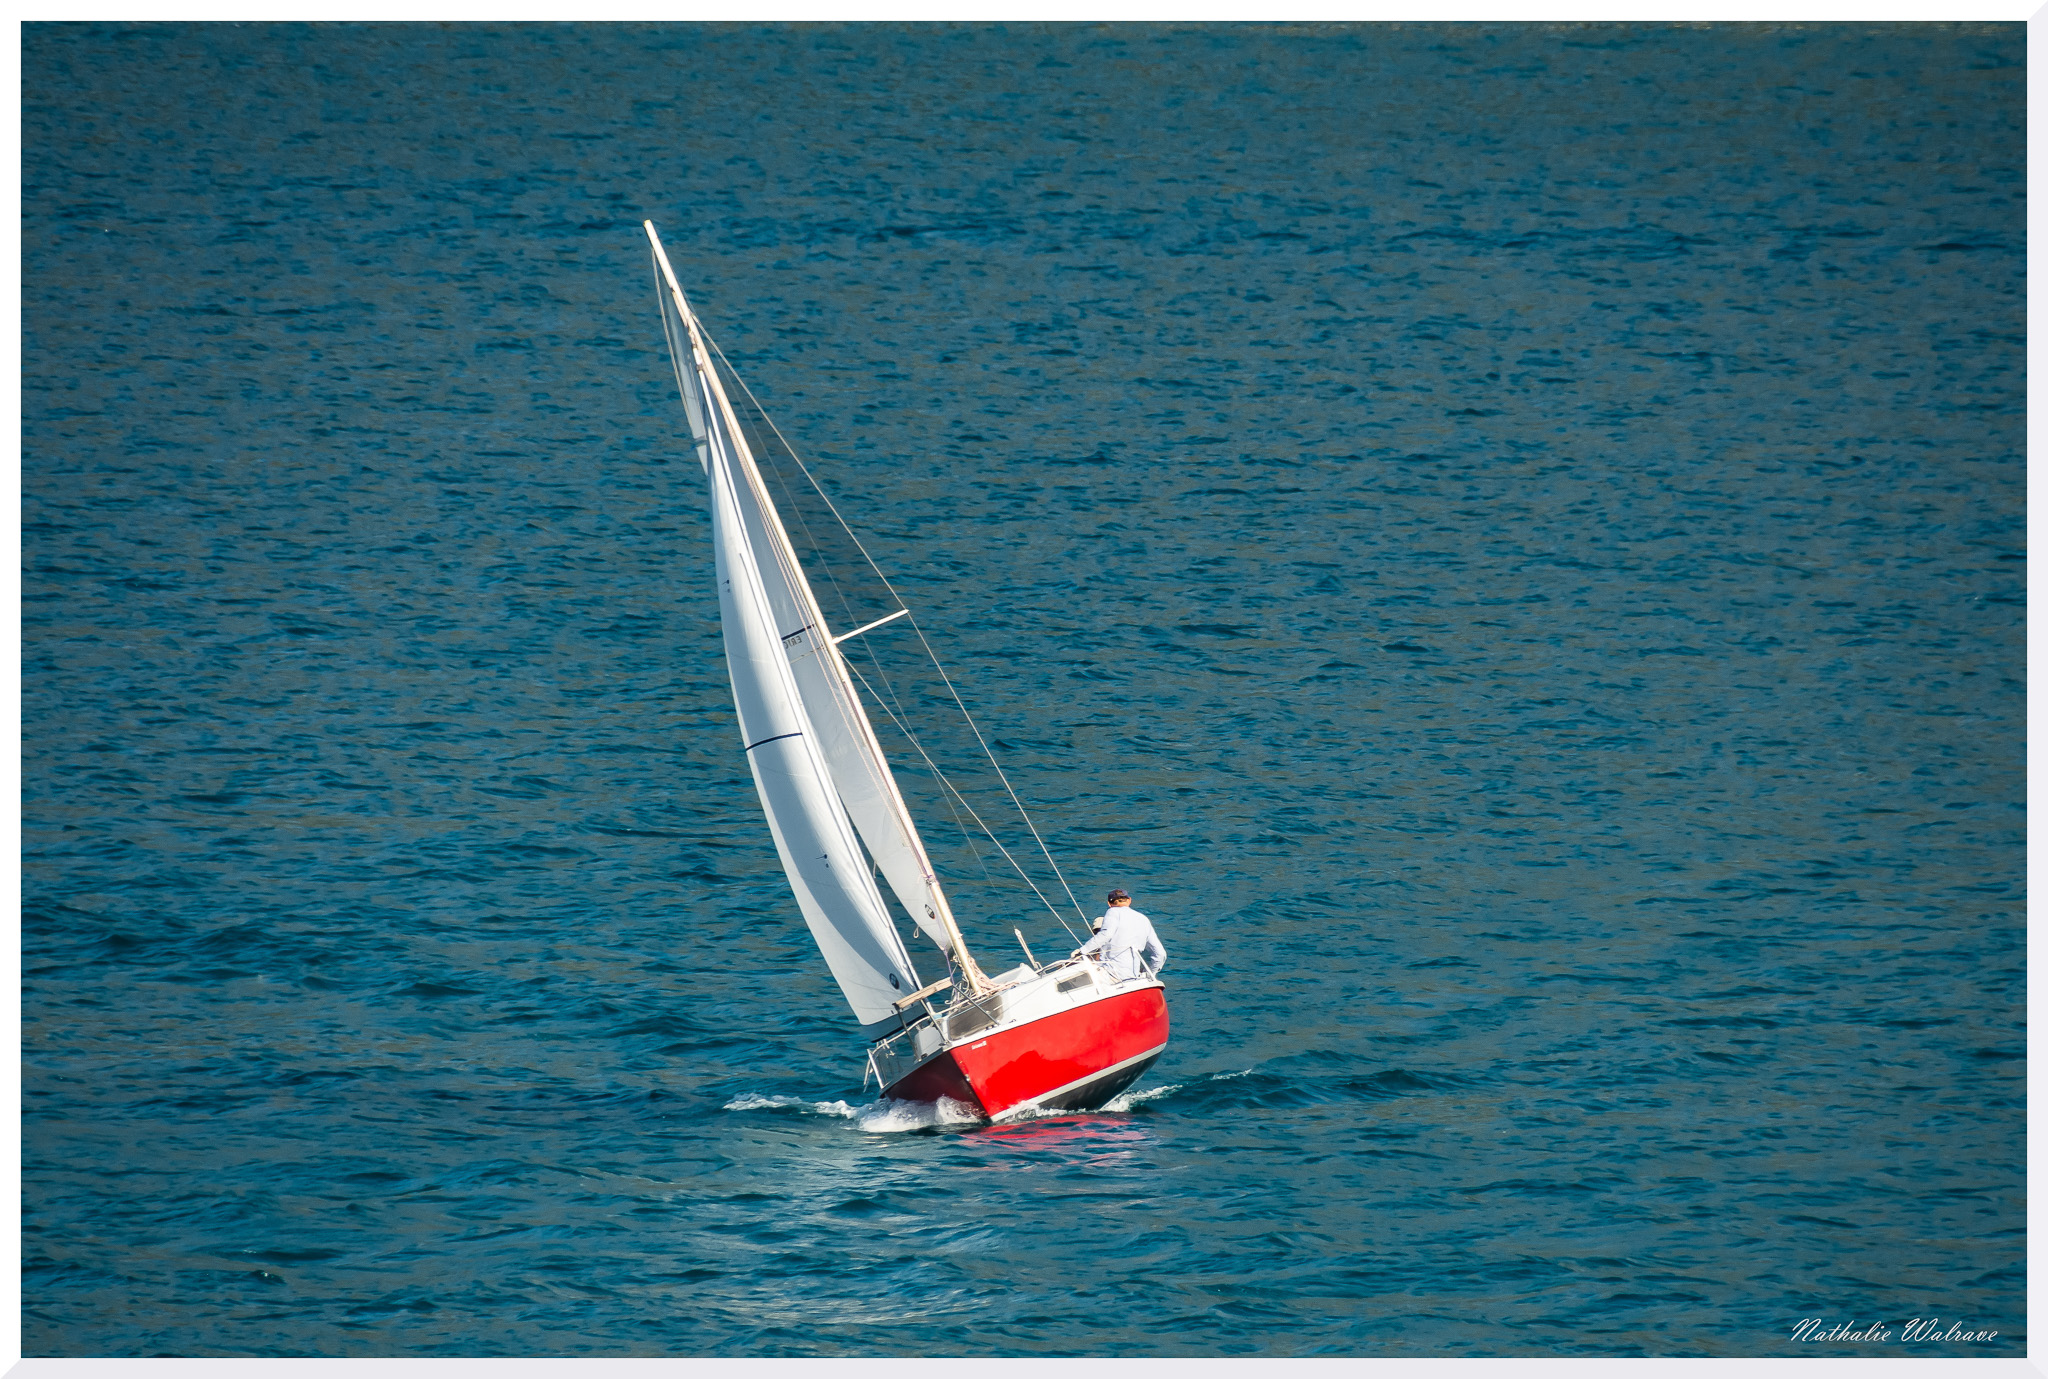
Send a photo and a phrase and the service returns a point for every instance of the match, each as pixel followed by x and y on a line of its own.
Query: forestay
pixel 816 762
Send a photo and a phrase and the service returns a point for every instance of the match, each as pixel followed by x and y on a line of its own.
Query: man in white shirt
pixel 1124 941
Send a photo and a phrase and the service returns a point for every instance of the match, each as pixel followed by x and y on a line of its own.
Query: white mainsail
pixel 816 761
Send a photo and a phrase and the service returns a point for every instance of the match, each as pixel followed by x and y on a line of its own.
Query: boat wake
pixel 1131 1101
pixel 1211 1094
pixel 884 1117
pixel 888 1116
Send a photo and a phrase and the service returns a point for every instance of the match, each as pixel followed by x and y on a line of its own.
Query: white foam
pixel 1131 1101
pixel 890 1117
pixel 876 1117
pixel 754 1101
pixel 887 1117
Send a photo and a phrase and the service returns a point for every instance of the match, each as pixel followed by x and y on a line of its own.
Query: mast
pixel 861 775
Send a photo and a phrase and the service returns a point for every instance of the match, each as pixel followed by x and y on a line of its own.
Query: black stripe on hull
pixel 1092 1096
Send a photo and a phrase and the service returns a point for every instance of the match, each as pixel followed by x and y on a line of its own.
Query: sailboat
pixel 1039 1037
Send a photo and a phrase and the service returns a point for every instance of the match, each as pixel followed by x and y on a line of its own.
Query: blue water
pixel 1507 541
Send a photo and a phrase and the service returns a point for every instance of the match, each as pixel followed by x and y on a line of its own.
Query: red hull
pixel 1076 1058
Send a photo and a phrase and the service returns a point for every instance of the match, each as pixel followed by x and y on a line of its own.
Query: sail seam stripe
pixel 766 740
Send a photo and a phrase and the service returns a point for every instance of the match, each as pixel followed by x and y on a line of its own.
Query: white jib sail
pixel 846 737
pixel 845 912
pixel 777 638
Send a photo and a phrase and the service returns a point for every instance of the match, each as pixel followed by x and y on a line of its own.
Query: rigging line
pixel 980 860
pixel 975 728
pixel 775 475
pixel 678 349
pixel 946 781
pixel 784 552
pixel 722 440
pixel 846 701
pixel 775 472
pixel 892 704
pixel 972 725
pixel 893 707
pixel 943 780
pixel 781 480
pixel 973 843
pixel 968 838
pixel 797 460
pixel 881 673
